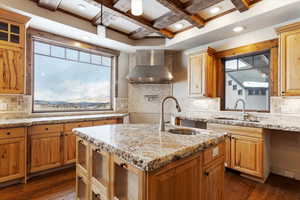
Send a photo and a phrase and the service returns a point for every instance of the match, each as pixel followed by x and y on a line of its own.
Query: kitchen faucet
pixel 245 115
pixel 162 120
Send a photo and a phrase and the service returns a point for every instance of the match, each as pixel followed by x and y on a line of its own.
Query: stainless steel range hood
pixel 150 68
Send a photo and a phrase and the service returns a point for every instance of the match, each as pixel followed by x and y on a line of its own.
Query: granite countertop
pixel 19 122
pixel 144 146
pixel 267 121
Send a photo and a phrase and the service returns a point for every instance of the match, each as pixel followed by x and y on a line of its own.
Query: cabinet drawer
pixel 12 133
pixel 104 122
pixel 46 129
pixel 214 153
pixel 70 126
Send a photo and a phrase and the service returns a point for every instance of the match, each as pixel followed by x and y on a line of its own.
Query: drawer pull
pixel 79 125
pixel 98 196
pixel 8 133
pixel 124 165
pixel 79 178
pixel 206 173
pixel 80 141
pixel 46 129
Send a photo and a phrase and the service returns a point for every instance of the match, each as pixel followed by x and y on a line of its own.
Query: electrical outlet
pixel 3 106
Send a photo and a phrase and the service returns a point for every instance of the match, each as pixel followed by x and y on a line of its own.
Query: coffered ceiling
pixel 161 18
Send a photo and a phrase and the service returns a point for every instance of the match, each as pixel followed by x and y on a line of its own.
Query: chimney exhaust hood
pixel 150 68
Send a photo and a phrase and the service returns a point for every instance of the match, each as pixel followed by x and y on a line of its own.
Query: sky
pixel 63 80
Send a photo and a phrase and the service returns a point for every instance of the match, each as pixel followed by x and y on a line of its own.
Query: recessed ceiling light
pixel 215 10
pixel 238 29
pixel 81 6
pixel 179 26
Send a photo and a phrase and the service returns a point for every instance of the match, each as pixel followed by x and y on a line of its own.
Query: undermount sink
pixel 183 131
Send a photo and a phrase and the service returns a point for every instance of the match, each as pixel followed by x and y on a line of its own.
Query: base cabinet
pixel 246 155
pixel 213 181
pixel 198 177
pixel 12 159
pixel 246 150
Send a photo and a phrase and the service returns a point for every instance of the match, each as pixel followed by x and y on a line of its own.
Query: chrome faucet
pixel 162 120
pixel 245 115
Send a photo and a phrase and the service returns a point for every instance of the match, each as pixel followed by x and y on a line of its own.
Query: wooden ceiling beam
pixel 49 4
pixel 178 12
pixel 194 6
pixel 134 19
pixel 241 5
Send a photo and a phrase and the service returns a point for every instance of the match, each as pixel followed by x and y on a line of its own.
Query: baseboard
pixel 286 173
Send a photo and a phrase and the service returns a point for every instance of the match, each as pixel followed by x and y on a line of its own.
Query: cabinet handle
pixel 124 165
pixel 80 178
pixel 80 141
pixel 98 196
pixel 46 129
pixel 206 173
pixel 8 133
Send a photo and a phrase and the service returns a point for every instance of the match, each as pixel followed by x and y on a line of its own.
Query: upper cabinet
pixel 12 52
pixel 201 74
pixel 290 59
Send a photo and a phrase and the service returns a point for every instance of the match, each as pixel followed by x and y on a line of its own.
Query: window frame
pixel 254 53
pixel 113 74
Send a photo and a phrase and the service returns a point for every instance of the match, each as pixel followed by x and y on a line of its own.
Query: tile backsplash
pixel 14 105
pixel 285 105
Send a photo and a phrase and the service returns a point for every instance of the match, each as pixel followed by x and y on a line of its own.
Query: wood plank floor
pixel 61 186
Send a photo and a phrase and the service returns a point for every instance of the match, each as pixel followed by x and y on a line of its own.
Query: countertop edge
pixel 242 123
pixel 44 121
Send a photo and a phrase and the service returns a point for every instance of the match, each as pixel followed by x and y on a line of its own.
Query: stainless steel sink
pixel 183 131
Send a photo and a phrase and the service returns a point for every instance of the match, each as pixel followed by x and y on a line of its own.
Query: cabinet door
pixel 82 186
pixel 82 155
pixel 290 63
pixel 246 155
pixel 213 181
pixel 227 152
pixel 69 148
pixel 45 151
pixel 196 75
pixel 187 181
pixel 11 70
pixel 127 181
pixel 12 158
pixel 162 186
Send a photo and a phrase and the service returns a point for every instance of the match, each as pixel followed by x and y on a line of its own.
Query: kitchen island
pixel 138 162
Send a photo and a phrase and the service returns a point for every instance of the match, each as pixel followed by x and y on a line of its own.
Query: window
pixel 67 79
pixel 250 81
pixel 230 82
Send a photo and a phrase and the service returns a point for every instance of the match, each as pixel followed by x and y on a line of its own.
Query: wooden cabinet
pixel 178 183
pixel 202 74
pixel 246 150
pixel 12 62
pixel 104 122
pixel 127 181
pixel 82 185
pixel 213 181
pixel 290 59
pixel 45 147
pixel 246 155
pixel 12 154
pixel 82 155
pixel 69 141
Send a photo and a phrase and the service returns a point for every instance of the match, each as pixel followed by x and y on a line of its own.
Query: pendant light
pixel 137 7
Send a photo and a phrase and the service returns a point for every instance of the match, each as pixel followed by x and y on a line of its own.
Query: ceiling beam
pixel 134 19
pixel 177 9
pixel 194 6
pixel 241 5
pixel 49 4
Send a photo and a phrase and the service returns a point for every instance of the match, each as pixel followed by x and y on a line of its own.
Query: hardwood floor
pixel 61 186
